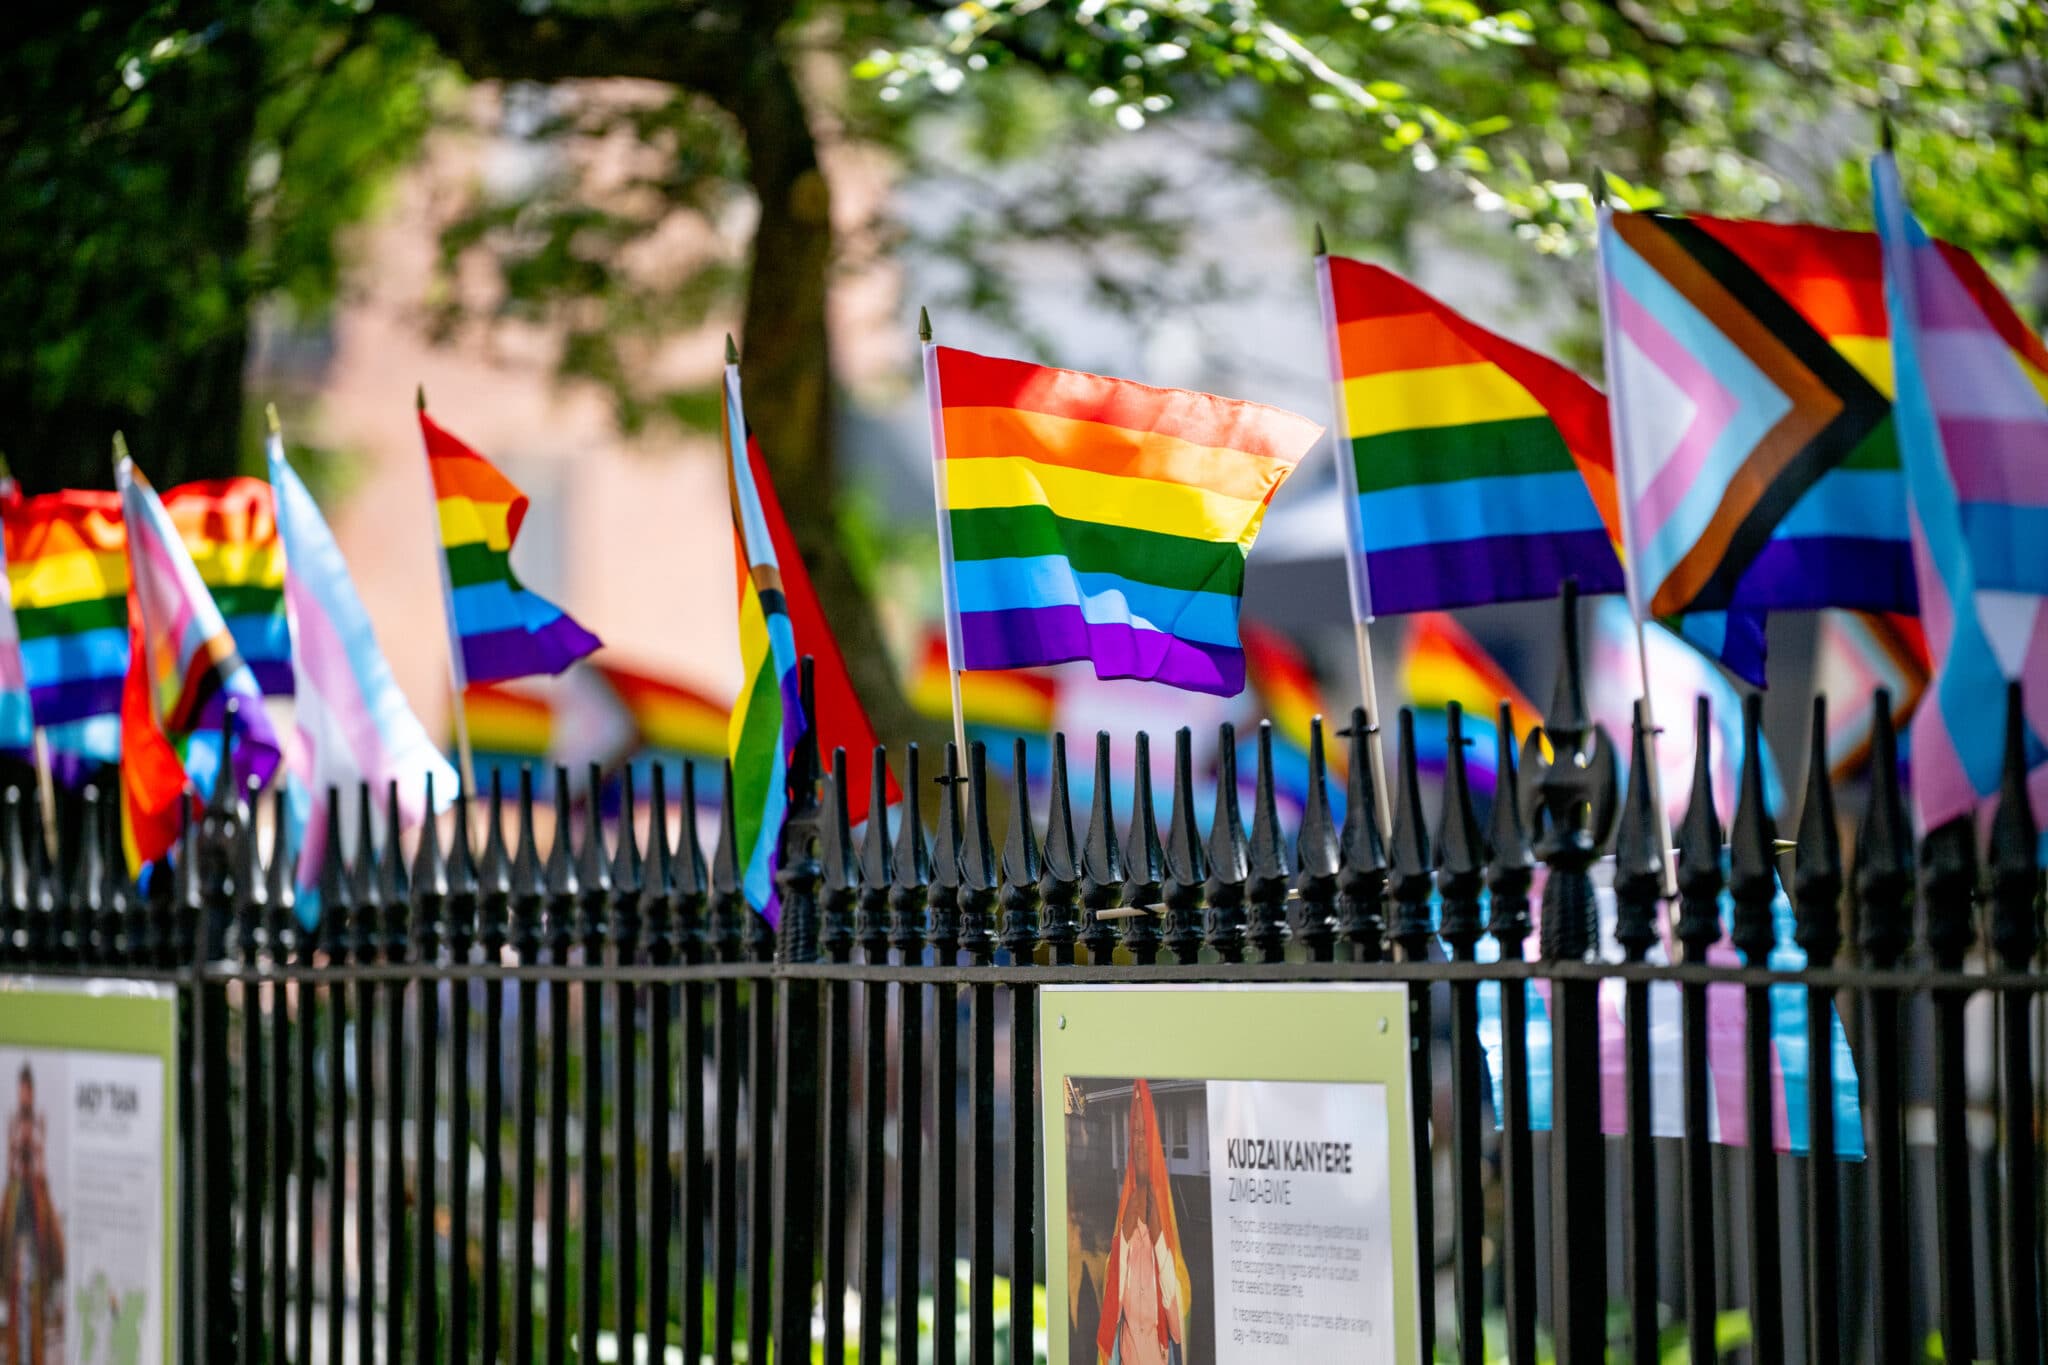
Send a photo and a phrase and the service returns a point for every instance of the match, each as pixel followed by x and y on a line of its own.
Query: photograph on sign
pixel 1227 1216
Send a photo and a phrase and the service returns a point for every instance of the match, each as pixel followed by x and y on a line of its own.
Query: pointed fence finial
pixel 1699 847
pixel 924 325
pixel 1409 878
pixel 1460 849
pixel 1144 861
pixel 1318 856
pixel 912 868
pixel 1884 848
pixel 2015 849
pixel 1511 868
pixel 979 874
pixel 1023 867
pixel 1752 861
pixel 1229 857
pixel 393 887
pixel 689 880
pixel 1265 889
pixel 1102 863
pixel 1180 890
pixel 1817 861
pixel 841 862
pixel 1638 851
pixel 728 904
pixel 1362 879
pixel 876 874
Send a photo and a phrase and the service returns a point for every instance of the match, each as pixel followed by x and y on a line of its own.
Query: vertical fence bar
pixel 396 897
pixel 1884 877
pixel 1102 864
pixel 876 876
pixel 798 877
pixel 593 905
pixel 1180 890
pixel 727 905
pixel 526 902
pixel 625 912
pixel 978 873
pixel 1753 884
pixel 430 892
pixel 336 911
pixel 2015 937
pixel 656 898
pixel 1460 876
pixel 1510 871
pixel 1949 871
pixel 1225 893
pixel 459 907
pixel 1699 929
pixel 1144 864
pixel 835 940
pixel 909 894
pixel 1409 881
pixel 494 925
pixel 1318 859
pixel 366 912
pixel 1816 898
pixel 942 936
pixel 1638 884
pixel 691 894
pixel 1031 881
pixel 250 905
pixel 1362 880
pixel 1265 890
pixel 1577 793
pixel 562 890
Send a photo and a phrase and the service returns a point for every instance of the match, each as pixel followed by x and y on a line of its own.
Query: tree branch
pixel 703 45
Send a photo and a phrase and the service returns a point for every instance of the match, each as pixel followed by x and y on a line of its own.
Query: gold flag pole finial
pixel 6 470
pixel 732 351
pixel 270 419
pixel 1322 247
pixel 1887 138
pixel 419 397
pixel 924 325
pixel 120 449
pixel 1599 187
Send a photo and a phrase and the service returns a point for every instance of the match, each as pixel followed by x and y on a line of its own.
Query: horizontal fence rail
pixel 513 1102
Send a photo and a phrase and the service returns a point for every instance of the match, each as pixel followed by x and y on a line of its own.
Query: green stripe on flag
pixel 71 618
pixel 1092 547
pixel 1474 450
pixel 469 564
pixel 753 758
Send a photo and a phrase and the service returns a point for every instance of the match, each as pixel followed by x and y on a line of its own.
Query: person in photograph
pixel 1145 1303
pixel 31 1236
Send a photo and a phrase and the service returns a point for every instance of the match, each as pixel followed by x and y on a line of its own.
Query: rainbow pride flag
pixel 183 668
pixel 1094 518
pixel 17 723
pixel 601 713
pixel 502 629
pixel 1973 431
pixel 67 573
pixel 667 717
pixel 1441 663
pixel 1006 700
pixel 1476 470
pixel 1857 653
pixel 767 715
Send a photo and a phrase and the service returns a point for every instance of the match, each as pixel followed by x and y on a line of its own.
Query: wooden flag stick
pixel 458 683
pixel 1356 581
pixel 947 597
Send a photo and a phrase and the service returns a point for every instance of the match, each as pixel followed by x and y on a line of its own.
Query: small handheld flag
pixel 1092 518
pixel 354 725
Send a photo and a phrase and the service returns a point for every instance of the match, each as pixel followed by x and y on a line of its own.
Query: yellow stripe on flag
pixel 465 521
pixel 1082 495
pixel 57 580
pixel 1446 396
pixel 754 651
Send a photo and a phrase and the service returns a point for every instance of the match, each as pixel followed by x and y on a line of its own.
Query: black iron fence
pixel 507 1103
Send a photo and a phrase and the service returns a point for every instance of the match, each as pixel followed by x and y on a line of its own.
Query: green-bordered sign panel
pixel 1228 1174
pixel 86 1109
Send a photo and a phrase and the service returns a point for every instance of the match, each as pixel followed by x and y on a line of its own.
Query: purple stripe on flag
pixel 502 654
pixel 273 676
pixel 1808 572
pixel 75 699
pixel 1466 573
pixel 1029 636
pixel 2008 459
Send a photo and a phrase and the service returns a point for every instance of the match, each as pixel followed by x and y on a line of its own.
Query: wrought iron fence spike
pixel 2014 855
pixel 1102 862
pixel 1228 851
pixel 1817 854
pixel 1318 856
pixel 841 867
pixel 15 899
pixel 527 888
pixel 393 886
pixel 1638 851
pixel 1948 863
pixel 1180 889
pixel 363 924
pixel 1884 848
pixel 593 865
pixel 628 867
pixel 1460 850
pixel 1144 860
pixel 494 865
pixel 979 872
pixel 1752 859
pixel 1362 876
pixel 876 873
pixel 1567 720
pixel 1266 861
pixel 459 906
pixel 1700 878
pixel 333 882
pixel 1059 884
pixel 1409 881
pixel 1511 864
pixel 87 900
pixel 1022 865
pixel 429 866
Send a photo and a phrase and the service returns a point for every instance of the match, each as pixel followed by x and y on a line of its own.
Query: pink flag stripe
pixel 2008 458
pixel 1714 408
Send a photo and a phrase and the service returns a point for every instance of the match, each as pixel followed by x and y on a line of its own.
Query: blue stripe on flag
pixel 1476 509
pixel 481 608
pixel 1050 581
pixel 52 659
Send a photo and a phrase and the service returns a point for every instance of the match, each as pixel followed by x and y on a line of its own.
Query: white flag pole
pixel 1356 578
pixel 947 597
pixel 1624 494
pixel 458 681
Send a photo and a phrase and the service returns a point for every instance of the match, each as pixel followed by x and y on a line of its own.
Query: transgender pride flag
pixel 1973 435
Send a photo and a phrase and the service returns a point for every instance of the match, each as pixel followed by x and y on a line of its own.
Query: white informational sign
pixel 1303 1221
pixel 84 1190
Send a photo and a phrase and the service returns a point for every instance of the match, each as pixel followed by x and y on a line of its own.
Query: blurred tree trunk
pixel 730 51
